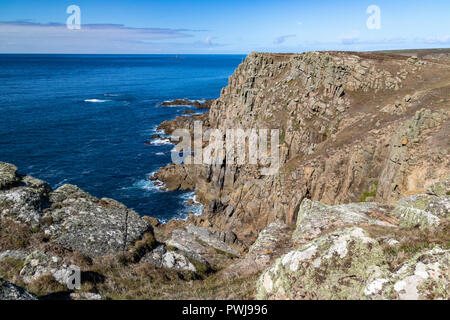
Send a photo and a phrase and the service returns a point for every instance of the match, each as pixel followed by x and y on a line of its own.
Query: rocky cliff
pixel 354 127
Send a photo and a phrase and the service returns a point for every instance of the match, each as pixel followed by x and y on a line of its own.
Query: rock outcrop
pixel 359 208
pixel 69 216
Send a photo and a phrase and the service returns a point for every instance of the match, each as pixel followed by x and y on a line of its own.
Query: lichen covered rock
pixel 8 175
pixel 162 258
pixel 38 264
pixel 92 226
pixel 425 276
pixel 422 210
pixel 314 219
pixel 335 266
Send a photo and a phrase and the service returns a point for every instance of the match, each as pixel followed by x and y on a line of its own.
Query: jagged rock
pixel 336 145
pixel 9 291
pixel 315 219
pixel 422 210
pixel 336 266
pixel 92 226
pixel 38 264
pixel 37 184
pixel 162 258
pixel 271 243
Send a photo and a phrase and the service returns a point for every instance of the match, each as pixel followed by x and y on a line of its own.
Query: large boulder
pixel 92 226
pixel 8 175
pixel 335 266
pixel 38 264
pixel 315 219
pixel 162 258
pixel 211 239
pixel 270 244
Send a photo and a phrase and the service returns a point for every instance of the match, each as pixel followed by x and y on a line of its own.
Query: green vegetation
pixel 371 192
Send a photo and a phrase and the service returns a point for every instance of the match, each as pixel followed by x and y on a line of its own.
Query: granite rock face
pixel 68 215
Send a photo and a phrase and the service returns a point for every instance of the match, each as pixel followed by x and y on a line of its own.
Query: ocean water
pixel 84 120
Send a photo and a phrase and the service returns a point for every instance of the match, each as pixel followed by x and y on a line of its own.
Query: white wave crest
pixel 96 100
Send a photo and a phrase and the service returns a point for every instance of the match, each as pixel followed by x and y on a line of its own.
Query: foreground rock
pixel 422 210
pixel 162 258
pixel 315 219
pixel 9 291
pixel 69 216
pixel 424 277
pixel 92 226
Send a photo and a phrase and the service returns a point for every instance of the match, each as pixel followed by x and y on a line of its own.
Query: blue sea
pixel 84 120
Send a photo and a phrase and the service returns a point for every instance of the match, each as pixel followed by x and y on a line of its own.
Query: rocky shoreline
pixel 359 209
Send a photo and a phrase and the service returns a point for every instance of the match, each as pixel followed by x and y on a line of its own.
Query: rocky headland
pixel 358 210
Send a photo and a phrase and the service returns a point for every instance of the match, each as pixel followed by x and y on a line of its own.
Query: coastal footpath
pixel 358 210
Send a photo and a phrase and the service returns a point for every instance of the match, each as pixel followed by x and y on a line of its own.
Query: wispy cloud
pixel 437 40
pixel 282 39
pixel 19 36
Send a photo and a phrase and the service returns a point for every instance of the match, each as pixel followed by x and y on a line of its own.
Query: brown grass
pixel 412 241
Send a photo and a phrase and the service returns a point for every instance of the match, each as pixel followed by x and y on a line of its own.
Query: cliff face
pixel 354 127
pixel 358 210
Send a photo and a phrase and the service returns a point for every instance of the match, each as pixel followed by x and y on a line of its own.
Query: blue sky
pixel 216 26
